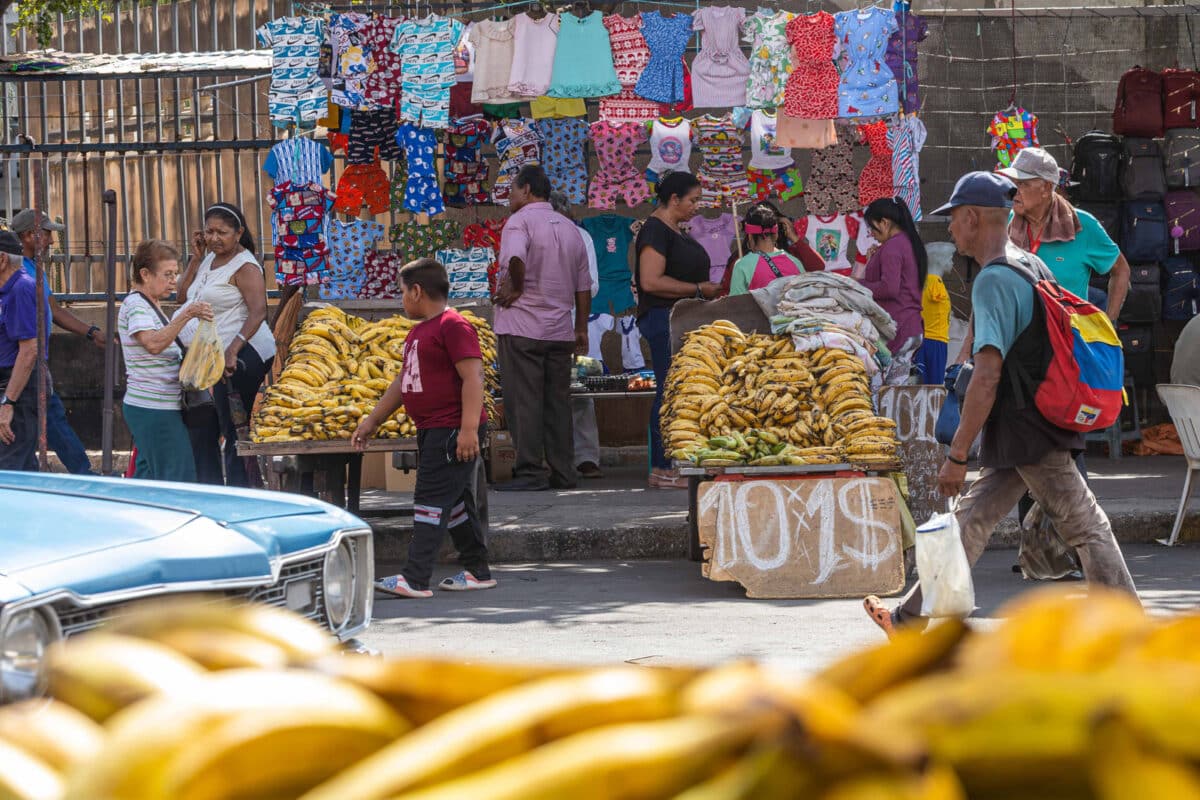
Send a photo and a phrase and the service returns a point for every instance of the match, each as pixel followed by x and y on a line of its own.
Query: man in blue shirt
pixel 59 435
pixel 1020 449
pixel 18 359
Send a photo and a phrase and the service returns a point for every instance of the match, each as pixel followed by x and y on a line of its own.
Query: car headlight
pixel 23 644
pixel 339 584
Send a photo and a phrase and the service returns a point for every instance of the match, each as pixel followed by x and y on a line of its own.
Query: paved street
pixel 664 611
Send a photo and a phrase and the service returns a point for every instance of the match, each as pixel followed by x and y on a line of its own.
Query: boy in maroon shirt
pixel 441 388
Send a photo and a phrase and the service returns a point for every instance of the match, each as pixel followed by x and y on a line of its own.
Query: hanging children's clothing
pixel 382 88
pixel 517 143
pixel 363 185
pixel 670 147
pixel 722 175
pixel 876 180
pixel 299 216
pixel 1012 131
pixel 770 57
pixel 557 107
pixel 300 159
pixel 370 130
pixel 716 237
pixel 349 243
pixel 832 181
pixel 380 270
pixel 867 87
pixel 812 88
pixel 583 60
pixel 772 171
pixel 906 138
pixel 399 180
pixel 598 325
pixel 901 57
pixel 460 101
pixel 667 38
pixel 412 240
pixel 422 194
pixel 830 237
pixel 864 240
pixel 564 156
pixel 464 168
pixel 632 357
pixel 534 44
pixel 617 175
pixel 297 95
pixel 612 237
pixel 351 59
pixel 720 70
pixel 426 48
pixel 631 54
pixel 467 270
pixel 679 106
pixel 493 61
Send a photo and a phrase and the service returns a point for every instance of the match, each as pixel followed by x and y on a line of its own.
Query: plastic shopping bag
pixel 204 363
pixel 946 587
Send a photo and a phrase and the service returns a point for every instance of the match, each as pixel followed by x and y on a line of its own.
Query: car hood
pixel 94 534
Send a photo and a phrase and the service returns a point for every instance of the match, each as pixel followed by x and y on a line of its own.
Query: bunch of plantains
pixel 733 398
pixel 1071 696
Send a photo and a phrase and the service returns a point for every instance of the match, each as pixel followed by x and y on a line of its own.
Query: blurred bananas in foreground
pixel 338 367
pixel 734 398
pixel 1071 696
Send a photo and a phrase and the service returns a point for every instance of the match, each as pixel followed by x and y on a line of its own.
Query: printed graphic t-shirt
pixel 430 384
pixel 830 237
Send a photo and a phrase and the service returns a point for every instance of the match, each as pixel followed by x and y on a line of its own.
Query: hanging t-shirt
pixel 764 152
pixel 1012 132
pixel 299 160
pixel 670 146
pixel 716 237
pixel 611 237
pixel 830 237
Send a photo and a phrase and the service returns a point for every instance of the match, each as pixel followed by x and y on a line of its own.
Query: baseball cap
pixel 27 220
pixel 986 189
pixel 1030 163
pixel 9 243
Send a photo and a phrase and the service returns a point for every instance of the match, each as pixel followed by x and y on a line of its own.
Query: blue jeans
pixel 655 326
pixel 62 439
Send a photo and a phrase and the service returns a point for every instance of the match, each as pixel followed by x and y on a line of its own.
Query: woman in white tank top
pixel 224 273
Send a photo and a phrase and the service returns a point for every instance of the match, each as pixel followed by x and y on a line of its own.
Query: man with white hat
pixel 60 437
pixel 1071 242
pixel 1020 448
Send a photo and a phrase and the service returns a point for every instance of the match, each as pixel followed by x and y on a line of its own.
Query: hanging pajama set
pixel 372 129
pixel 487 233
pixel 901 57
pixel 297 95
pixel 564 156
pixel 722 176
pixel 349 243
pixel 772 171
pixel 667 38
pixel 422 194
pixel 426 49
pixel 466 172
pixel 720 70
pixel 382 88
pixel 770 62
pixel 670 148
pixel 631 54
pixel 351 56
pixel 517 143
pixel 299 160
pixel 412 240
pixel 583 60
pixel 867 88
pixel 611 237
pixel 468 271
pixel 832 182
pixel 617 175
pixel 300 211
pixel 363 185
pixel 380 270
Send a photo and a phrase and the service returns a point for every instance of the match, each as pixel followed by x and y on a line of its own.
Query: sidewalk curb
pixel 669 539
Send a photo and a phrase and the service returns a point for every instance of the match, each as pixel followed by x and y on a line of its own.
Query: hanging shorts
pixel 425 105
pixel 557 107
pixel 502 110
pixel 301 266
pixel 299 102
pixel 399 179
pixel 371 129
pixel 362 185
pixel 723 189
pixel 422 194
pixel 782 183
pixel 605 190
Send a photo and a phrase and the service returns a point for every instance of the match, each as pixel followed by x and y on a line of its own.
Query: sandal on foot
pixel 879 614
pixel 397 585
pixel 466 582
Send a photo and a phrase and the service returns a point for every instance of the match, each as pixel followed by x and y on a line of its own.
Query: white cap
pixel 1030 163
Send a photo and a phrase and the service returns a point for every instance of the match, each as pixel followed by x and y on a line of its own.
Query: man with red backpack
pixel 1046 368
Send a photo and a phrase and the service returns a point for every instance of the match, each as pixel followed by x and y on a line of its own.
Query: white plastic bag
pixel 946 587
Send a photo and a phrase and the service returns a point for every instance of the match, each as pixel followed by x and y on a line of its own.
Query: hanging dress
pixel 901 58
pixel 631 54
pixel 493 61
pixel 907 138
pixel 667 37
pixel 720 69
pixel 867 88
pixel 832 186
pixel 583 61
pixel 535 42
pixel 877 179
pixel 812 88
pixel 770 58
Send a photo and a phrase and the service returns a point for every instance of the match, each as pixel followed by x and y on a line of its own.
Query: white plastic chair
pixel 1183 403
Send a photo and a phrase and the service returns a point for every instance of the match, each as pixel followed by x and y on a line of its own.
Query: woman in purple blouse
pixel 895 274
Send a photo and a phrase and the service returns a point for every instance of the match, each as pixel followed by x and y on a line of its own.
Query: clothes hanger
pixel 581 9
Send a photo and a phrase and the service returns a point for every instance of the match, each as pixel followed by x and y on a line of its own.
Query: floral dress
pixel 812 88
pixel 902 58
pixel 770 62
pixel 630 57
pixel 867 88
pixel 667 37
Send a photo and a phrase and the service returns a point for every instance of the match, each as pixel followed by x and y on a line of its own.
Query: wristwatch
pixel 699 292
pixel 91 334
pixel 4 401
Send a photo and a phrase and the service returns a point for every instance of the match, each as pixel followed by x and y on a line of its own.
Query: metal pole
pixel 110 326
pixel 39 195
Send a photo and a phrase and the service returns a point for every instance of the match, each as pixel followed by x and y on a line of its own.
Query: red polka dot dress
pixel 812 88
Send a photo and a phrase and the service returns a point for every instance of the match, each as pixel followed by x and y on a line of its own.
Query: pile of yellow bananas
pixel 1069 697
pixel 337 369
pixel 733 398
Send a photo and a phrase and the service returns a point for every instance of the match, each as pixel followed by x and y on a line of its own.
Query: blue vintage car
pixel 73 550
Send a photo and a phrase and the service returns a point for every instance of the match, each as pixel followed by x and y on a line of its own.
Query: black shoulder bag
pixel 197 405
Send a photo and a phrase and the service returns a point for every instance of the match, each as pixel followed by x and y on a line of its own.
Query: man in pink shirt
pixel 543 299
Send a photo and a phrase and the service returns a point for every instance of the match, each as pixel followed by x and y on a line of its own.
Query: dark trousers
pixel 21 455
pixel 445 499
pixel 63 440
pixel 206 434
pixel 655 326
pixel 536 379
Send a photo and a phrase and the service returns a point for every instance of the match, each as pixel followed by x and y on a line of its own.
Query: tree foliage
pixel 38 16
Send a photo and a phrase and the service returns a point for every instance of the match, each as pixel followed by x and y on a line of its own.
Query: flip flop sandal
pixel 879 614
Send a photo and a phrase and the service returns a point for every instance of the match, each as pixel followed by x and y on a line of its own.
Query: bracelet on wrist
pixel 91 333
pixel 699 292
pixel 954 460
